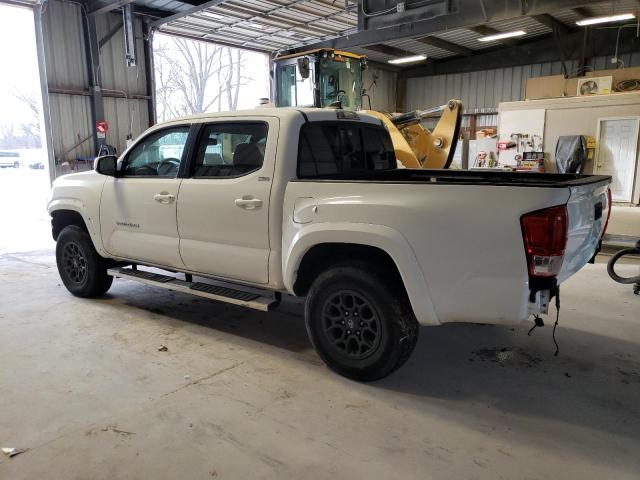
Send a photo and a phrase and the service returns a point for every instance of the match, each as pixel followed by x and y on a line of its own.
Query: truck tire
pixel 361 326
pixel 81 269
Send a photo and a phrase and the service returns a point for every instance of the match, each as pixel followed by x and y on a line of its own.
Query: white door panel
pixel 219 237
pixel 224 222
pixel 135 224
pixel 138 209
pixel 617 155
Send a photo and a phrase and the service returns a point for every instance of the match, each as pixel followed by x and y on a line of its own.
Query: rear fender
pixel 385 238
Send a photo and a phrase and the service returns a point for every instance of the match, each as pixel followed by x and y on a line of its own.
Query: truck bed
pixel 453 177
pixel 465 235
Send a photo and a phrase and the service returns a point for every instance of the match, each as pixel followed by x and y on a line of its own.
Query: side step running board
pixel 213 292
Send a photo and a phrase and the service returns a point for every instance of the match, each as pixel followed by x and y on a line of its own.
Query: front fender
pixel 75 205
pixel 80 193
pixel 385 238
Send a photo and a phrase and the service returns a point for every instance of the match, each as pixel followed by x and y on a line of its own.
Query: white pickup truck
pixel 243 207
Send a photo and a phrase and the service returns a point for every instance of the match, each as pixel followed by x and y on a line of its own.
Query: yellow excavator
pixel 332 78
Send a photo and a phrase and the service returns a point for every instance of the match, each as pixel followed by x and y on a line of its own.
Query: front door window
pixel 157 155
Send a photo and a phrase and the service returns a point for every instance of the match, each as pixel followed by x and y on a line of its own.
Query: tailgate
pixel 588 211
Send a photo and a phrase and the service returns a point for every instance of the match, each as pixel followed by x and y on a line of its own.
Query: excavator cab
pixel 332 78
pixel 319 78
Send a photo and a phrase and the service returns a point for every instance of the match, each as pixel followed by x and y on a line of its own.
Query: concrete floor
pixel 240 394
pixel 625 220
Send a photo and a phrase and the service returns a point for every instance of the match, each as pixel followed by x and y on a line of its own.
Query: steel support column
pixel 128 26
pixel 92 49
pixel 45 117
pixel 147 35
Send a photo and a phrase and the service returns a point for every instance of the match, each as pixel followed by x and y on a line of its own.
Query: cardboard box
pixel 557 86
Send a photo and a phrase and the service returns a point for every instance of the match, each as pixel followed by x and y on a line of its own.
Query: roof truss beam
pixel 389 50
pixel 600 42
pixel 473 13
pixel 151 12
pixel 551 22
pixel 583 12
pixel 193 3
pixel 445 45
pixel 96 7
pixel 187 12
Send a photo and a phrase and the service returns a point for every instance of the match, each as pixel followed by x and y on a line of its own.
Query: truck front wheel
pixel 361 326
pixel 81 269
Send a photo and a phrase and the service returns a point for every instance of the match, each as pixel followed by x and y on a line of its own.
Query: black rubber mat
pixel 224 292
pixel 147 275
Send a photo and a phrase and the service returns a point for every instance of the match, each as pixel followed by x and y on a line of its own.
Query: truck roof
pixel 284 113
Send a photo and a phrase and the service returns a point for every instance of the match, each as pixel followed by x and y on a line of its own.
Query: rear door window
pixel 335 148
pixel 230 149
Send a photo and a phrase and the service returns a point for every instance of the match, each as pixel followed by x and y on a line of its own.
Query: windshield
pixel 340 80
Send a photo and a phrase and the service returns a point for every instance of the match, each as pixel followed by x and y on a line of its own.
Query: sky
pixel 18 58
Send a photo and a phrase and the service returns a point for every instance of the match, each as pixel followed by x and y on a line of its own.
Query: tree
pixel 234 79
pixel 30 100
pixel 26 133
pixel 30 128
pixel 194 77
pixel 165 88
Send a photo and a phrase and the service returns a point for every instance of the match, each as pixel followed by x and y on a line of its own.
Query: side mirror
pixel 106 165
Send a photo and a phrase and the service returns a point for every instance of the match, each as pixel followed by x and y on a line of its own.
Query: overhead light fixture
pixel 606 19
pixel 410 59
pixel 210 15
pixel 257 26
pixel 502 35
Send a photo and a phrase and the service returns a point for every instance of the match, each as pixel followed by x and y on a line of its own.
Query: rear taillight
pixel 545 238
pixel 606 223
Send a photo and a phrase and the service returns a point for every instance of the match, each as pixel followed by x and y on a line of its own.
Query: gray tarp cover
pixel 571 153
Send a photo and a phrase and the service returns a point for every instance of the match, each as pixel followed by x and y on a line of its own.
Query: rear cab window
pixel 342 147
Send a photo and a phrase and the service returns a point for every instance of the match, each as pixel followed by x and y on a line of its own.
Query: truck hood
pixel 76 189
pixel 76 177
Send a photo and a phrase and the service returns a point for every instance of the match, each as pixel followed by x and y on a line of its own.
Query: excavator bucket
pixel 417 147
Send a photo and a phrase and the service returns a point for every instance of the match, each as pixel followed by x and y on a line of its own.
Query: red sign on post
pixel 102 127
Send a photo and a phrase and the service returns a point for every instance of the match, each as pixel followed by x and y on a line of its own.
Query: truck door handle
pixel 248 202
pixel 164 197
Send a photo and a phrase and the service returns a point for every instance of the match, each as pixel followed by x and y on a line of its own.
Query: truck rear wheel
pixel 81 269
pixel 362 327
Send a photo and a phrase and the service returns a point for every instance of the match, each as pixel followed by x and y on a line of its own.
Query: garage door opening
pixel 24 178
pixel 194 77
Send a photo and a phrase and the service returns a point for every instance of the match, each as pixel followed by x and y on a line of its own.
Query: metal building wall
pixel 481 91
pixel 383 91
pixel 125 115
pixel 67 78
pixel 66 68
